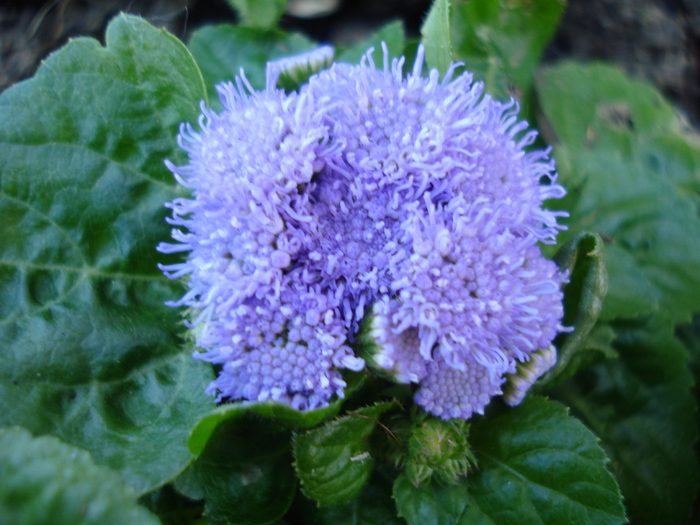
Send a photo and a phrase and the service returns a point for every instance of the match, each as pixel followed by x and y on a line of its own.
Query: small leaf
pixel 536 465
pixel 334 461
pixel 642 408
pixel 434 503
pixel 88 351
pixel 244 474
pixel 260 14
pixel 436 36
pixel 598 345
pixel 223 50
pixel 47 481
pixel 392 34
pixel 501 41
pixel 584 258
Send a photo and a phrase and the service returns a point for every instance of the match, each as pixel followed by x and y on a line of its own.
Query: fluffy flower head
pixel 407 201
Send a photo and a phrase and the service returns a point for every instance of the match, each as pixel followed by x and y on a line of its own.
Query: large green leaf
pixel 334 461
pixel 46 481
pixel 642 408
pixel 223 50
pixel 244 474
pixel 88 351
pixel 633 177
pixel 536 465
pixel 501 41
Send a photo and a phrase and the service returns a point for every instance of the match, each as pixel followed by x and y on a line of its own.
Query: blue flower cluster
pixel 408 202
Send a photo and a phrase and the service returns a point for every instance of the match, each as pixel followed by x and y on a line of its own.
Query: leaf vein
pixel 527 480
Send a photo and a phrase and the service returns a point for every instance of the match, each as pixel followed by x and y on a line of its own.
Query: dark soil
pixel 658 40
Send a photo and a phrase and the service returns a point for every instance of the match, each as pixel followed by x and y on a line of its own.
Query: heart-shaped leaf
pixel 88 351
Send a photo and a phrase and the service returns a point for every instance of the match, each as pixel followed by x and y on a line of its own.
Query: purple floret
pixel 477 297
pixel 288 350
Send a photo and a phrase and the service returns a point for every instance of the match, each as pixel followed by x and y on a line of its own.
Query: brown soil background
pixel 658 40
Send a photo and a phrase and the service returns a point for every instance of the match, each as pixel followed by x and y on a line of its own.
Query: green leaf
pixel 244 474
pixel 88 351
pixel 618 160
pixel 610 106
pixel 599 343
pixel 689 335
pixel 47 481
pixel 261 14
pixel 650 230
pixel 392 34
pixel 436 36
pixel 501 41
pixel 279 412
pixel 373 506
pixel 584 258
pixel 223 50
pixel 536 465
pixel 642 408
pixel 334 461
pixel 434 503
pixel 171 507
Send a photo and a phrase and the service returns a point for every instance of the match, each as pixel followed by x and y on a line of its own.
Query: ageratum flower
pixel 406 201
